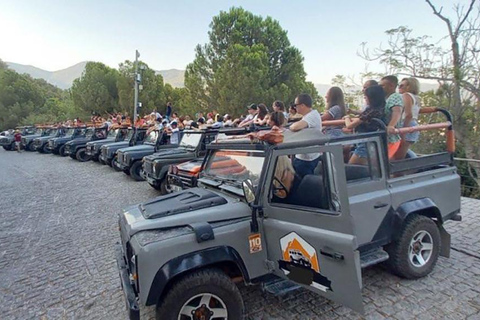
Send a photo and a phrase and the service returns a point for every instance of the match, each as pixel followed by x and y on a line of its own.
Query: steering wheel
pixel 282 186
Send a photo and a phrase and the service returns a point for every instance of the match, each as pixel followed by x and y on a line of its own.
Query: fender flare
pixel 426 206
pixel 192 261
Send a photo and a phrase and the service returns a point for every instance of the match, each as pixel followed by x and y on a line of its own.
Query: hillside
pixel 61 78
pixel 64 78
pixel 173 76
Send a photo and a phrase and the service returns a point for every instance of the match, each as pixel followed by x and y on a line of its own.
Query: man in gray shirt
pixel 305 163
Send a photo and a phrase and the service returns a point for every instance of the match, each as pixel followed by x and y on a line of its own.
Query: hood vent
pixel 179 202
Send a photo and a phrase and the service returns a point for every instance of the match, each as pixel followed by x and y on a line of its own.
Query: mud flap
pixel 445 245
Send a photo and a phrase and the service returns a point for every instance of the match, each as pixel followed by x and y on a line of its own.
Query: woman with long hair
pixel 335 110
pixel 375 99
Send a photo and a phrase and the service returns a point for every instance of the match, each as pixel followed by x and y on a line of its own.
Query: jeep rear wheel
pixel 136 170
pixel 204 294
pixel 416 251
pixel 82 156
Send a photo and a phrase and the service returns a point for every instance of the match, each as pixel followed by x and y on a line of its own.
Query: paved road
pixel 58 227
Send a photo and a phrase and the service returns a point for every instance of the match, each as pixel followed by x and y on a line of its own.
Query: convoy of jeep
pixel 229 213
pixel 183 252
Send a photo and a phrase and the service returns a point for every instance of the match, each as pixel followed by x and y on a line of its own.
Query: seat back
pixel 310 193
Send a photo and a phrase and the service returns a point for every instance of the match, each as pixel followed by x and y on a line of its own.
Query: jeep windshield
pixel 190 140
pixel 39 131
pixel 152 137
pixel 70 132
pixel 89 133
pixel 234 166
pixel 112 133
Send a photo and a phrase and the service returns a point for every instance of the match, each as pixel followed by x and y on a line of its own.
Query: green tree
pixel 152 93
pixel 21 96
pixel 456 69
pixel 248 59
pixel 96 90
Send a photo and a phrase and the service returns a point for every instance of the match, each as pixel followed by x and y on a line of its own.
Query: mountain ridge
pixel 64 78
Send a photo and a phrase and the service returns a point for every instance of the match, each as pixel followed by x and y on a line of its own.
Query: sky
pixel 56 34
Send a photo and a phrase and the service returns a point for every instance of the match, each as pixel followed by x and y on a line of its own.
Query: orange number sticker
pixel 255 242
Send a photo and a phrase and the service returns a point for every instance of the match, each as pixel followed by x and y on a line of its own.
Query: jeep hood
pixel 78 141
pixel 101 141
pixel 168 153
pixel 143 147
pixel 118 145
pixel 181 209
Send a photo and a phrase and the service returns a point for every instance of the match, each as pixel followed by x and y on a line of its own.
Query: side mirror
pixel 248 191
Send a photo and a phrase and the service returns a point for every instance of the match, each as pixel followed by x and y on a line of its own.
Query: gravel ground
pixel 58 227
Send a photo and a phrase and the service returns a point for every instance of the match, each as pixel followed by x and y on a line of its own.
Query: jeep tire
pixel 209 293
pixel 82 156
pixel 61 151
pixel 414 254
pixel 114 164
pixel 8 148
pixel 45 149
pixel 136 169
pixel 164 187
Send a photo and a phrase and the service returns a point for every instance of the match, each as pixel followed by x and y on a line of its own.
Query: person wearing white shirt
pixel 252 112
pixel 306 163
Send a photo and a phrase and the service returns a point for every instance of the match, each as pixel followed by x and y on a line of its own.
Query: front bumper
pixel 130 296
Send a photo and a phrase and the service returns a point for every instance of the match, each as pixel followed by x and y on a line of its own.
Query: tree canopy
pixel 248 59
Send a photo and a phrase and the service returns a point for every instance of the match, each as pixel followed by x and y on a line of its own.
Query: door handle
pixel 333 255
pixel 379 205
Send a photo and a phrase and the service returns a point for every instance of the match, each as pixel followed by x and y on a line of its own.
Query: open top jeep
pixel 8 141
pixel 77 147
pixel 40 144
pixel 192 145
pixel 183 252
pixel 57 145
pixel 115 134
pixel 108 152
pixel 40 131
pixel 130 159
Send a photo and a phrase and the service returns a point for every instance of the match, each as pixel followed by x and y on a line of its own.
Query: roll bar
pixel 450 134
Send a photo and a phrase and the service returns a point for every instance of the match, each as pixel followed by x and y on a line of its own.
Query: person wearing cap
pixel 18 138
pixel 306 163
pixel 175 132
pixel 252 112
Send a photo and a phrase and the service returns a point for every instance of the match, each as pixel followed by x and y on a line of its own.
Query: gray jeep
pixel 184 252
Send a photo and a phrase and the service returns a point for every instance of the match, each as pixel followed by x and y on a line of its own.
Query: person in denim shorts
pixel 409 89
pixel 375 99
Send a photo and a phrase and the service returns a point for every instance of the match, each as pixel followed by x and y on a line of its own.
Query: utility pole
pixel 137 81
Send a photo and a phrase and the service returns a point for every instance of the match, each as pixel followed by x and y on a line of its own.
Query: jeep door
pixel 309 233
